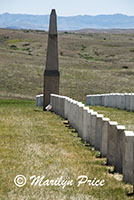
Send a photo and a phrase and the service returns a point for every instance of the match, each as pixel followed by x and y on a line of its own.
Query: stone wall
pixel 106 136
pixel 124 101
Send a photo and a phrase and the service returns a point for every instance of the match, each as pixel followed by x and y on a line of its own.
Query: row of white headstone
pixel 124 101
pixel 106 136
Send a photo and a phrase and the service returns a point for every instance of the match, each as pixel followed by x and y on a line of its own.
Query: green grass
pixel 14 41
pixel 40 143
pixel 123 117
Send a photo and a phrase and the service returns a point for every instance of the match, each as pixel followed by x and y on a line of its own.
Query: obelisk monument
pixel 51 73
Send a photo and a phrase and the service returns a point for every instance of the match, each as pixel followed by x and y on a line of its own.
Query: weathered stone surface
pixel 116 100
pixel 110 97
pixel 88 100
pixel 106 100
pixel 122 106
pixel 85 122
pixel 132 102
pixel 103 99
pixel 98 131
pixel 62 105
pixel 88 125
pixel 97 100
pixel 127 100
pixel 128 156
pixel 112 138
pixel 74 113
pixel 112 101
pixel 66 107
pixel 51 74
pixel 92 100
pixel 58 105
pixel 93 128
pixel 77 116
pixel 52 102
pixel 39 100
pixel 119 149
pixel 69 110
pixel 52 50
pixel 104 137
pixel 80 120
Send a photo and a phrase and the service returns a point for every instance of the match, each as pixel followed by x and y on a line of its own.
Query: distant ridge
pixel 108 31
pixel 40 22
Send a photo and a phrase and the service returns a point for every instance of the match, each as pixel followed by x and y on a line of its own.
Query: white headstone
pixel 104 137
pixel 128 166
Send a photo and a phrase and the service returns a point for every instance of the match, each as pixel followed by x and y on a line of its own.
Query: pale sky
pixel 68 7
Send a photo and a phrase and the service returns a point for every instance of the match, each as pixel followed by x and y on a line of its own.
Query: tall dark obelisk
pixel 51 73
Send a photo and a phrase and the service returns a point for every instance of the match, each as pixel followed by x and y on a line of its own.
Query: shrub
pixel 14 47
pixel 125 67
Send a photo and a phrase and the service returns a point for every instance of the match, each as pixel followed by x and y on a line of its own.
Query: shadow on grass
pixel 111 171
pixel 74 131
pixel 38 110
pixel 87 145
pixel 130 194
pixel 98 155
pixel 104 164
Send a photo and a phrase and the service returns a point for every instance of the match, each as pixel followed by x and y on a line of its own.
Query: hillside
pixel 40 22
pixel 89 63
pixel 105 31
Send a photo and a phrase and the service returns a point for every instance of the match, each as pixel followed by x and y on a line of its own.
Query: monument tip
pixel 53 23
pixel 53 11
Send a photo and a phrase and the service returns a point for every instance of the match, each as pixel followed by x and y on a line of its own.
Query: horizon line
pixel 66 16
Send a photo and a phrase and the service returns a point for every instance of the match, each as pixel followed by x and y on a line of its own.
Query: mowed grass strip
pixel 123 117
pixel 33 142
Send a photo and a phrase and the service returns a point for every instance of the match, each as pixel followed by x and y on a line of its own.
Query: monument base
pixel 51 86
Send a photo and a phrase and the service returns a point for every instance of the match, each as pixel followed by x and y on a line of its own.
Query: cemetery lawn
pixel 33 142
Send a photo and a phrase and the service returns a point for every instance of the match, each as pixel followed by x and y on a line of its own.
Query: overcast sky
pixel 68 7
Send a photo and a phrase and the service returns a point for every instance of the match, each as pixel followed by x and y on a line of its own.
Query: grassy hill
pixel 89 63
